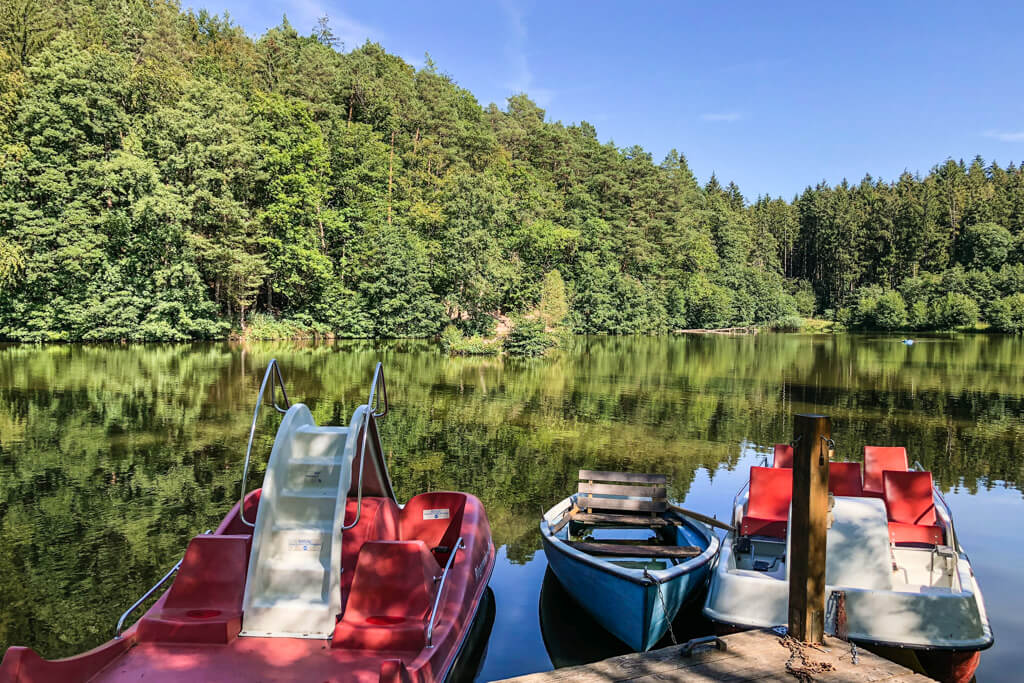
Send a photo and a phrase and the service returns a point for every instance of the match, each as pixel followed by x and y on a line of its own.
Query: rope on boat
pixel 664 607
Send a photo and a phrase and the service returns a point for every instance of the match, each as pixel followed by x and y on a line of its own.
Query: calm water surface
pixel 111 458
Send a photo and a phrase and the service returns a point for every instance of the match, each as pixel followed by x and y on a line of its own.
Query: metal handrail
pixel 378 377
pixel 145 596
pixel 459 545
pixel 272 375
pixel 371 405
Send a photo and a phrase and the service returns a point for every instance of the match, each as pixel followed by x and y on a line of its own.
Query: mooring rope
pixel 664 607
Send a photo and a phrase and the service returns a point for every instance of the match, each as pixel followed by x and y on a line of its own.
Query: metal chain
pixel 832 614
pixel 804 669
pixel 664 607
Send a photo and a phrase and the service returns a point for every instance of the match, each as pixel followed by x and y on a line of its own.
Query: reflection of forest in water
pixel 112 457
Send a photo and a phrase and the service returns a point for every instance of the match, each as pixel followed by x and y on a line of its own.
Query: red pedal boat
pixel 318 576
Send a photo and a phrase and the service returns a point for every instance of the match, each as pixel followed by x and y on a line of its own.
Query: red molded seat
pixel 434 518
pixel 771 491
pixel 783 456
pixel 378 522
pixel 204 604
pixel 844 479
pixel 392 593
pixel 878 459
pixel 910 504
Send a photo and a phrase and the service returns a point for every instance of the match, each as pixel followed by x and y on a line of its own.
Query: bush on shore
pixel 454 343
pixel 528 339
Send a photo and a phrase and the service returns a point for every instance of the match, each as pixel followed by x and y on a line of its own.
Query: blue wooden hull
pixel 624 604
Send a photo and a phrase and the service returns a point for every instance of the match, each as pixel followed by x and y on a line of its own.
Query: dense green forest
pixel 165 176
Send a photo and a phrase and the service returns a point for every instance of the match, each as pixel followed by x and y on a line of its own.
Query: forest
pixel 163 176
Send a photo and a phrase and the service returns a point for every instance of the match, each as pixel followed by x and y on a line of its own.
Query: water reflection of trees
pixel 112 457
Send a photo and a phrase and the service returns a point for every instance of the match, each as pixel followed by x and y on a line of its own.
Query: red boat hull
pixel 191 632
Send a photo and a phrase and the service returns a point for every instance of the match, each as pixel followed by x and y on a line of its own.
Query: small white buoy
pixel 908 342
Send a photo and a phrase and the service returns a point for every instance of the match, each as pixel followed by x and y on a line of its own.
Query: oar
pixel 703 518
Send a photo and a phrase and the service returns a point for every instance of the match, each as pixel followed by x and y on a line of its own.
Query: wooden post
pixel 808 527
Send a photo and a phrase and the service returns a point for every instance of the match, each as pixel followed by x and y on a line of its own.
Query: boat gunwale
pixel 859 640
pixel 641 577
pixel 479 600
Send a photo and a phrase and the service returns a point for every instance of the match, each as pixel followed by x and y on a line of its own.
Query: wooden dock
pixel 748 656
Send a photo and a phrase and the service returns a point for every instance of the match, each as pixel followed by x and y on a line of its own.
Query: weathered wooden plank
pixel 618 490
pixel 612 519
pixel 751 656
pixel 636 550
pixel 806 557
pixel 566 518
pixel 627 477
pixel 601 503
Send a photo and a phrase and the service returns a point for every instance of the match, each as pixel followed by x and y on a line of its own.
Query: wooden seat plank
pixel 636 550
pixel 617 490
pixel 624 477
pixel 599 503
pixel 610 519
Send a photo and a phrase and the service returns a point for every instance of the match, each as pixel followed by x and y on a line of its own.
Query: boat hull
pixel 945 625
pixel 635 606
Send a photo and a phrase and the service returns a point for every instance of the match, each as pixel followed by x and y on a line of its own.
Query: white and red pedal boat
pixel 318 576
pixel 896 575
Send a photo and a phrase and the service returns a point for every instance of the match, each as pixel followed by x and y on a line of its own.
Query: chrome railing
pixel 459 545
pixel 147 595
pixel 274 378
pixel 372 406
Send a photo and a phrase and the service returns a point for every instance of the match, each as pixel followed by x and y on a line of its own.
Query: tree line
pixel 163 176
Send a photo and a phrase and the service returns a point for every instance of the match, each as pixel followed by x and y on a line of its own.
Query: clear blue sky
pixel 773 97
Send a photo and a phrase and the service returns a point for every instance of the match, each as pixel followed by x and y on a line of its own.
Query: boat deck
pixel 248 659
pixel 750 656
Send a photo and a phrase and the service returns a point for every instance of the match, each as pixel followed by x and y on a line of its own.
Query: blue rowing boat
pixel 625 555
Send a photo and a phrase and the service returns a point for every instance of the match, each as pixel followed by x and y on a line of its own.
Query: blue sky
pixel 773 96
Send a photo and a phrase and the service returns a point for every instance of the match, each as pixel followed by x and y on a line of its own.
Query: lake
pixel 112 457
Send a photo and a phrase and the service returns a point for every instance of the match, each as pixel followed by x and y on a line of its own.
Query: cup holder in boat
pixel 384 620
pixel 202 613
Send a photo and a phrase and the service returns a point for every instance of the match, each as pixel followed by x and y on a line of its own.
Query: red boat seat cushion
pixel 391 596
pixel 844 479
pixel 771 491
pixel 910 505
pixel 204 604
pixel 878 459
pixel 783 456
pixel 377 522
